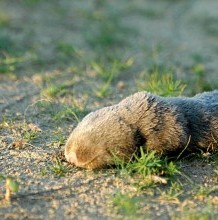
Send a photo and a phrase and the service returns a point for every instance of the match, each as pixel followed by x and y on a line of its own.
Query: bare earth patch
pixel 61 59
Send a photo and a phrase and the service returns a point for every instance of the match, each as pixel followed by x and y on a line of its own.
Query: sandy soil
pixel 46 43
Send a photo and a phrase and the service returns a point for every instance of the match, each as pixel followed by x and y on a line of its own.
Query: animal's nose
pixel 72 158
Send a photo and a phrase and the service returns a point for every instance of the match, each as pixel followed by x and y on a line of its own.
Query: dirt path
pixel 61 59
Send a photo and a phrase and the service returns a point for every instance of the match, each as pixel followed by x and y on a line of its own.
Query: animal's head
pixel 98 137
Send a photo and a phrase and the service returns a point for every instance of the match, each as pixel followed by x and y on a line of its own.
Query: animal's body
pixel 163 124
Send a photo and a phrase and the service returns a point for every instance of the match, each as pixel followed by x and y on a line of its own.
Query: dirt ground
pixel 61 59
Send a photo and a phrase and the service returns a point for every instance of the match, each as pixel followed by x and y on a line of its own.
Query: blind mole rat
pixel 163 124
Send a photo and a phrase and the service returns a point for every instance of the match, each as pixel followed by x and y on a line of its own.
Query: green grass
pixel 70 113
pixel 4 19
pixel 147 169
pixel 68 53
pixel 31 2
pixel 208 23
pixel 54 90
pixel 10 64
pixel 199 79
pixel 60 112
pixel 57 168
pixel 161 83
pixel 206 212
pixel 21 133
pixel 11 186
pixel 67 49
pixel 29 135
pixel 6 44
pixel 109 71
pixel 216 173
pixel 147 164
pixel 59 137
pixel 126 204
pixel 204 191
pixel 107 32
pixel 172 192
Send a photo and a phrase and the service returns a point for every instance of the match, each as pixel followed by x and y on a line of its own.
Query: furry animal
pixel 170 124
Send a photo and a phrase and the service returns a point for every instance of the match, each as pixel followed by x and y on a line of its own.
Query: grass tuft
pixel 163 84
pixel 54 90
pixel 69 113
pixel 147 164
pixel 57 168
pixel 109 72
pixel 126 204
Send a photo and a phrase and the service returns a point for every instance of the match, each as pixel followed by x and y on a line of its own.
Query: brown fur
pixel 161 124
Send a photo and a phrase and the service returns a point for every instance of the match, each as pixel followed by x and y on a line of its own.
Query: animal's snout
pixel 72 158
